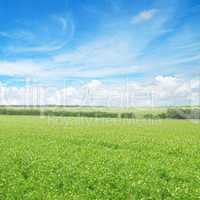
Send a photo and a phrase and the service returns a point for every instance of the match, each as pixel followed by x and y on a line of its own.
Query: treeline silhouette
pixel 64 113
pixel 171 113
pixel 176 113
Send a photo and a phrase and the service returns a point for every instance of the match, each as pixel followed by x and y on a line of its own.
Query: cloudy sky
pixel 89 51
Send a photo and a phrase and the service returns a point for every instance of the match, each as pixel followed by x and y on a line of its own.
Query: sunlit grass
pixel 81 158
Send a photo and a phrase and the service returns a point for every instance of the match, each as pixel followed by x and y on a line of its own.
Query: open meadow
pixel 99 100
pixel 80 158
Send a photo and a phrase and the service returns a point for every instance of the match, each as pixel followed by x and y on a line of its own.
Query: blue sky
pixel 107 40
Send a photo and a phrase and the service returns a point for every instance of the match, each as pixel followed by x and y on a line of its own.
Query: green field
pixel 81 158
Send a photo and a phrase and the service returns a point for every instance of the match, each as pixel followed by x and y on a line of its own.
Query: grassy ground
pixel 73 158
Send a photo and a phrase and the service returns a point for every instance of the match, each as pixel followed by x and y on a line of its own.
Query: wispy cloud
pixel 66 23
pixel 144 16
pixel 20 68
pixel 109 55
pixel 47 70
pixel 38 49
pixel 63 21
pixel 18 35
pixel 103 52
pixel 63 46
pixel 41 38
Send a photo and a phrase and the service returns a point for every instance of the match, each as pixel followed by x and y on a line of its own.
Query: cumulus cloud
pixel 164 90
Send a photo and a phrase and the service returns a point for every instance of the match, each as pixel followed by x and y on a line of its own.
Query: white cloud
pixel 38 49
pixel 164 90
pixel 94 85
pixel 114 54
pixel 108 56
pixel 144 16
pixel 167 81
pixel 52 71
pixel 20 34
pixel 109 51
pixel 20 68
pixel 117 51
pixel 41 37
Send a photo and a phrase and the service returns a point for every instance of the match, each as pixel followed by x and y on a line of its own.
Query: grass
pixel 75 158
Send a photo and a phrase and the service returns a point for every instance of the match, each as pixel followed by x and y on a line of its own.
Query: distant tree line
pixel 176 113
pixel 64 113
pixel 171 113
